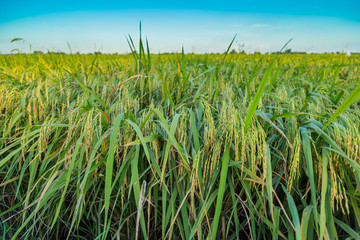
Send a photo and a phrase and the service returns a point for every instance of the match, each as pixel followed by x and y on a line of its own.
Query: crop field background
pixel 179 146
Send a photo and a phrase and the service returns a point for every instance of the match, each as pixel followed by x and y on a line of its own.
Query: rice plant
pixel 179 146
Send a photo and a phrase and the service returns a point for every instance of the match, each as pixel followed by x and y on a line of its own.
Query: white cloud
pixel 259 25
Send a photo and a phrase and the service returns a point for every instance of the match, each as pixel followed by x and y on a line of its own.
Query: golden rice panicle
pixel 261 147
pixel 337 191
pixel 228 120
pixel 156 149
pixel 209 127
pixel 116 108
pixel 352 137
pixel 337 171
pixel 337 161
pixel 238 135
pixel 194 181
pixel 251 138
pixel 294 161
pixel 317 164
pixel 261 142
pixel 89 129
pixel 334 186
pixel 29 110
pixel 244 157
pixel 255 148
pixel 282 93
pixel 212 160
pixel 194 177
pixel 344 204
pixel 182 127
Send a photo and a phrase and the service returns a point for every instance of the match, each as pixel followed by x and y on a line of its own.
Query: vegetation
pixel 179 146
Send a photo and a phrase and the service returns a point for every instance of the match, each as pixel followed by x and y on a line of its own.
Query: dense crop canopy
pixel 179 146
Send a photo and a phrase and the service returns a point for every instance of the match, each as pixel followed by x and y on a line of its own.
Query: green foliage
pixel 179 146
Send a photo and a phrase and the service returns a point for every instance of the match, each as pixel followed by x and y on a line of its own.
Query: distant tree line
pixel 233 51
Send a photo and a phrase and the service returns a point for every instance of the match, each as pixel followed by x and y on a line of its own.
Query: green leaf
pixel 310 169
pixel 354 95
pixel 294 214
pixel 324 195
pixel 220 196
pixel 109 169
pixel 347 229
pixel 256 99
pixel 16 40
pixel 305 221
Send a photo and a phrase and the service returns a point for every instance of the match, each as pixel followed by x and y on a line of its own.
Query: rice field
pixel 179 146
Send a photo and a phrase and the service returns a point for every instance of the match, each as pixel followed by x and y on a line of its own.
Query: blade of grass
pixel 109 170
pixel 220 196
pixel 305 221
pixel 294 213
pixel 256 99
pixel 324 188
pixel 355 94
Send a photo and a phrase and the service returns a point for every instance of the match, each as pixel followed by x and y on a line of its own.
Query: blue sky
pixel 199 26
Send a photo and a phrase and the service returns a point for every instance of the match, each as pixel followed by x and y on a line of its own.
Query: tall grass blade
pixel 109 170
pixel 256 99
pixel 220 196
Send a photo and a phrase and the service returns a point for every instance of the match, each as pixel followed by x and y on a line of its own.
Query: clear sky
pixel 199 26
